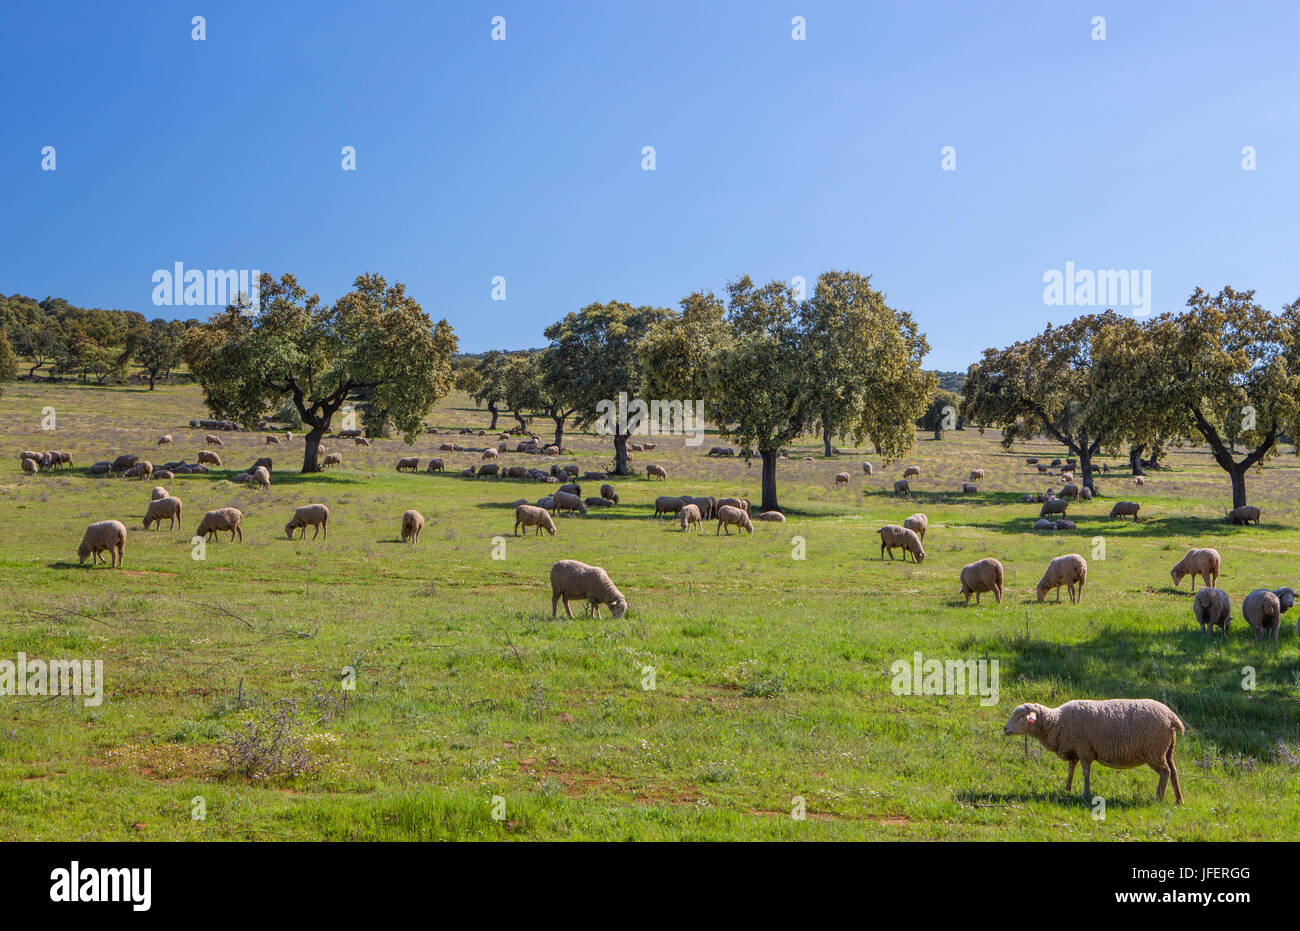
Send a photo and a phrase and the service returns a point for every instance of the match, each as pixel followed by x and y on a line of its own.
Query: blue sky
pixel 774 157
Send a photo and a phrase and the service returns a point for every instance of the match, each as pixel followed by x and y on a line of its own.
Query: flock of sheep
pixel 1120 733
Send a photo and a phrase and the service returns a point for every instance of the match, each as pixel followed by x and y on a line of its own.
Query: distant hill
pixel 951 381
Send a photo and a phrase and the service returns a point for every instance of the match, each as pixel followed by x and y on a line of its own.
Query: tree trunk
pixel 938 433
pixel 559 431
pixel 1135 459
pixel 769 480
pixel 151 381
pixel 620 454
pixel 312 445
pixel 1154 461
pixel 1085 466
pixel 1238 476
pixel 826 437
pixel 523 424
pixel 492 409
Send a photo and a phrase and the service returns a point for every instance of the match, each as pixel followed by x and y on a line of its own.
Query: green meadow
pixel 749 673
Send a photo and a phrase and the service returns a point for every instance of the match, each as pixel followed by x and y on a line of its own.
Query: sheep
pixel 841 478
pixel 1064 570
pixel 490 453
pixel 124 462
pixel 983 576
pixel 260 477
pixel 902 488
pixel 892 535
pixel 489 468
pixel 410 463
pixel 1055 463
pixel 158 493
pixel 1066 525
pixel 729 517
pixel 547 502
pixel 1119 732
pixel 227 519
pixel 164 439
pixel 1212 608
pixel 412 524
pixel 1033 460
pixel 1042 468
pixel 1246 514
pixel 667 504
pixel 98 468
pixel 976 475
pixel 1053 506
pixel 866 468
pixel 1043 524
pixel 332 459
pixel 608 492
pixel 166 507
pixel 272 440
pixel 707 506
pixel 436 465
pixel 1262 610
pixel 911 472
pixel 969 487
pixel 528 516
pixel 571 488
pixel 1070 490
pixel 564 501
pixel 740 503
pixel 690 517
pixel 140 470
pixel 208 458
pixel 1139 480
pixel 918 523
pixel 213 440
pixel 1125 509
pixel 316 516
pixel 514 472
pixel 656 470
pixel 1085 493
pixel 1202 562
pixel 595 501
pixel 775 516
pixel 29 466
pixel 104 535
pixel 1067 476
pixel 595 476
pixel 360 441
pixel 572 579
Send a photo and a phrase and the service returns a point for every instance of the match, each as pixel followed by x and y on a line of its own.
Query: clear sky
pixel 774 157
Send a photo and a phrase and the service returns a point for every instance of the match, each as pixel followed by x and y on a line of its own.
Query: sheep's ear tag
pixel 1031 717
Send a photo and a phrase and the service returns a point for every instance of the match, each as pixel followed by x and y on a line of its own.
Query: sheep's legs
pixel 1087 779
pixel 997 593
pixel 1173 770
pixel 1069 777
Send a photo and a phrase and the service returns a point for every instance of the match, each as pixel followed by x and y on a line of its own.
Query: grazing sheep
pixel 166 507
pixel 667 504
pixel 514 472
pixel 333 459
pixel 29 466
pixel 918 523
pixel 565 501
pixel 1033 460
pixel 1202 562
pixel 595 501
pixel 1246 514
pixel 489 468
pixel 983 576
pixel 408 464
pixel 490 453
pixel 690 517
pixel 124 462
pixel 164 439
pixel 260 477
pixel 1070 490
pixel 656 470
pixel 841 478
pixel 902 488
pixel 1066 525
pixel 98 468
pixel 547 502
pixel 595 476
pixel 571 488
pixel 740 503
pixel 911 472
pixel 1055 463
pixel 571 579
pixel 227 519
pixel 608 492
pixel 1064 570
pixel 436 465
pixel 1042 467
pixel 213 440
pixel 969 487
pixel 729 517
pixel 412 524
pixel 142 470
pixel 1125 509
pixel 164 474
pixel 866 468
pixel 1085 493
pixel 528 516
pixel 207 458
pixel 775 516
pixel 1067 476
pixel 316 516
pixel 1139 480
pixel 1262 610
pixel 1053 506
pixel 892 535
pixel 1044 524
pixel 360 441
pixel 976 475
pixel 105 535
pixel 158 493
pixel 1212 608
pixel 1120 733
pixel 272 440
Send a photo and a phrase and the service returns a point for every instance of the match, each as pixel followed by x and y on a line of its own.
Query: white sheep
pixel 976 475
pixel 901 487
pixel 166 508
pixel 526 515
pixel 409 463
pixel 221 519
pixel 159 492
pixel 412 524
pixel 986 575
pixel 1246 514
pixel 316 516
pixel 164 439
pixel 1066 570
pixel 911 472
pixel 260 477
pixel 918 523
pixel 333 459
pixel 892 535
pixel 841 478
pixel 1212 608
pixel 208 458
pixel 1125 509
pixel 104 535
pixel 656 470
pixel 571 579
pixel 1202 562
pixel 1120 733
pixel 775 516
pixel 690 517
pixel 567 501
pixel 866 468
pixel 213 440
pixel 728 517
pixel 1262 610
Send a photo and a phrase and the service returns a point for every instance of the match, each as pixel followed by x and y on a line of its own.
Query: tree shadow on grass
pixel 1060 796
pixel 1097 523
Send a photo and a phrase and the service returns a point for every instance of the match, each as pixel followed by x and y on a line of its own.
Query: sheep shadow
pixel 1159 527
pixel 1055 796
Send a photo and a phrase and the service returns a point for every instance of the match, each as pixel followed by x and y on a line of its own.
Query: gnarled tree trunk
pixel 769 480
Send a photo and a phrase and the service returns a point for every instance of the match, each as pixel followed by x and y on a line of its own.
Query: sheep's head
pixel 1042 590
pixel 83 552
pixel 619 607
pixel 919 554
pixel 1203 598
pixel 1026 719
pixel 1176 573
pixel 1286 598
pixel 289 528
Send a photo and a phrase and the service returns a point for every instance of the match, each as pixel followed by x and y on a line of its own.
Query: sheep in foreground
pixel 1246 514
pixel 918 523
pixel 333 459
pixel 221 519
pixel 526 515
pixel 1262 610
pixel 1119 732
pixel 841 478
pixel 655 470
pixel 1202 562
pixel 104 536
pixel 160 509
pixel 316 516
pixel 412 524
pixel 911 472
pixel 983 576
pixel 1125 509
pixel 902 488
pixel 571 579
pixel 1212 608
pixel 1064 570
pixel 408 464
pixel 729 516
pixel 892 535
pixel 690 517
pixel 565 501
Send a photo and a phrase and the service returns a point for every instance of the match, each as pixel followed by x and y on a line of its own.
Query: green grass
pixel 772 673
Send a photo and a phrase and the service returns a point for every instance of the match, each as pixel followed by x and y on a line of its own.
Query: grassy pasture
pixel 772 674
